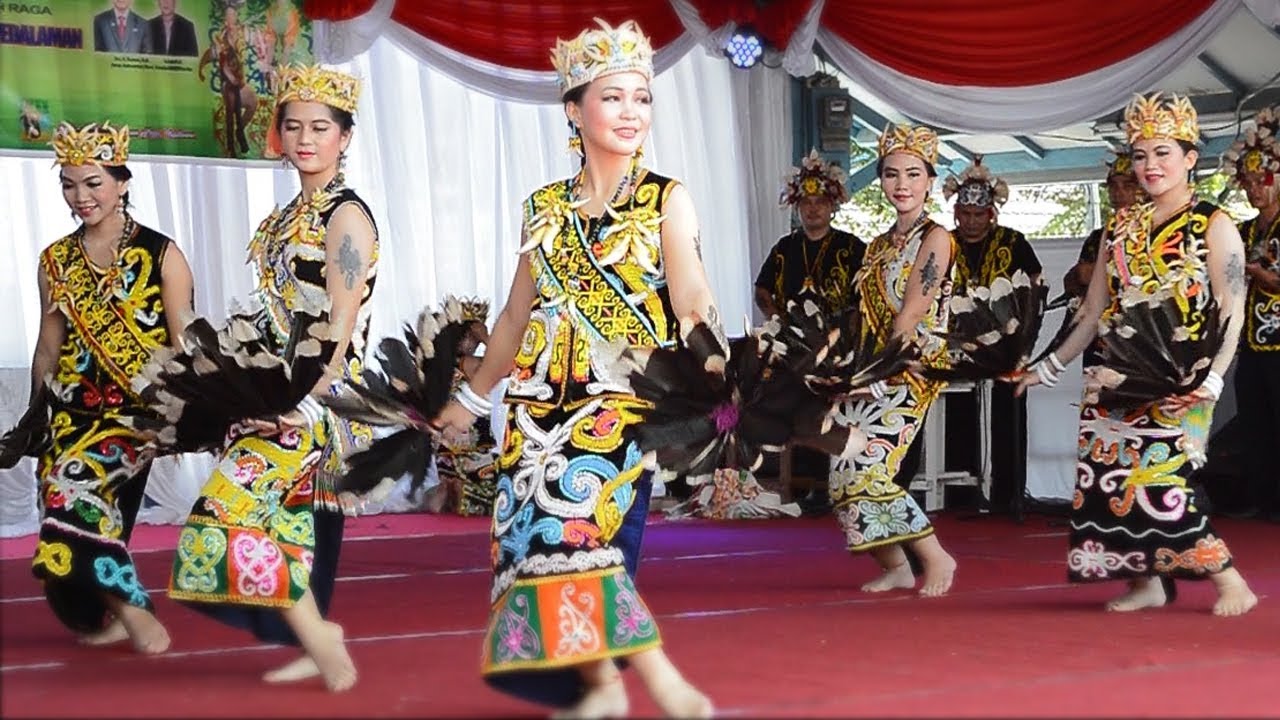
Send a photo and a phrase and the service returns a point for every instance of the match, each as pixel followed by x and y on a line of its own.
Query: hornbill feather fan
pixel 223 376
pixel 993 329
pixel 711 408
pixel 1153 349
pixel 413 384
pixel 30 436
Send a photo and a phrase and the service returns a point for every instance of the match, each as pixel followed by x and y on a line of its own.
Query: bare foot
pixel 147 634
pixel 113 633
pixel 679 699
pixel 607 700
pixel 1146 592
pixel 330 656
pixel 303 668
pixel 897 577
pixel 1234 595
pixel 939 573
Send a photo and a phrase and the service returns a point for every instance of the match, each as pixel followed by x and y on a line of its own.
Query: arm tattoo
pixel 929 274
pixel 1235 274
pixel 349 262
pixel 697 245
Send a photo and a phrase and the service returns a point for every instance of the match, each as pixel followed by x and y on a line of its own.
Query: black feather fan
pixel 412 388
pixel 1150 352
pixel 226 375
pixel 833 354
pixel 30 436
pixel 711 411
pixel 993 329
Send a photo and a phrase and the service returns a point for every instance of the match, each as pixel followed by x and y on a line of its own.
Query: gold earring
pixel 575 144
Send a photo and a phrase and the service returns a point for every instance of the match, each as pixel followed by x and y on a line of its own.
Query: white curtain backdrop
pixel 1030 108
pixel 444 168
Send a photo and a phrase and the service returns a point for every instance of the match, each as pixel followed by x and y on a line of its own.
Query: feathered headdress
pixel 598 52
pixel 1258 151
pixel 815 176
pixel 1155 116
pixel 96 143
pixel 1121 165
pixel 976 186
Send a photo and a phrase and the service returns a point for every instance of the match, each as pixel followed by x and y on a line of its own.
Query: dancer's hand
pixel 1023 379
pixel 262 425
pixel 293 419
pixel 453 419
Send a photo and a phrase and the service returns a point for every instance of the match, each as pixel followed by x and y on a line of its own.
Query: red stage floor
pixel 764 615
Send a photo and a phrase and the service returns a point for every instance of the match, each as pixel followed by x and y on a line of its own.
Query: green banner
pixel 189 77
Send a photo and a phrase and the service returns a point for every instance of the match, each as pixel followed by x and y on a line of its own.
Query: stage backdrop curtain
pixel 444 169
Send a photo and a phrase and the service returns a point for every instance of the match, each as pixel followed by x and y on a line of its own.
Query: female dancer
pixel 111 293
pixel 610 254
pixel 1133 517
pixel 903 288
pixel 262 541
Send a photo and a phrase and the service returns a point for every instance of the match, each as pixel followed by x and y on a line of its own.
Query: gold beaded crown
pixel 1154 116
pixel 1258 151
pixel 814 177
pixel 311 83
pixel 93 143
pixel 596 53
pixel 919 141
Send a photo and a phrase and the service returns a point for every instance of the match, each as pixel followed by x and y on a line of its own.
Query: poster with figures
pixel 190 78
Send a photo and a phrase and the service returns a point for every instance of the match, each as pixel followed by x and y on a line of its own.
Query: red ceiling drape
pixel 988 43
pixel 521 33
pixel 997 43
pixel 775 21
pixel 335 10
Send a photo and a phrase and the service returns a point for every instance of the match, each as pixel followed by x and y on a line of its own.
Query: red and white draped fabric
pixel 1017 67
pixel 969 65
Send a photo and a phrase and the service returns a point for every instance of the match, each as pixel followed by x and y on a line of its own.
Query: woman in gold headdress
pixel 261 544
pixel 112 292
pixel 903 288
pixel 610 254
pixel 1133 516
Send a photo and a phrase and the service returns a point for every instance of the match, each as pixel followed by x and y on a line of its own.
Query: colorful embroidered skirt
pixel 251 538
pixel 91 484
pixel 872 510
pixel 1132 513
pixel 564 543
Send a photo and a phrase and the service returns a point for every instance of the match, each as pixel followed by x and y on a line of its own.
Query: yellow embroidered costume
pixel 268 523
pixel 1132 512
pixel 870 508
pixel 93 477
pixel 571 492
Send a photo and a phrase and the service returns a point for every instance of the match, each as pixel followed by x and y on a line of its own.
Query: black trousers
pixel 1257 385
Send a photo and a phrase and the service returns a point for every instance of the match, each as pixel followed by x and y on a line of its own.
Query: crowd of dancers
pixel 615 362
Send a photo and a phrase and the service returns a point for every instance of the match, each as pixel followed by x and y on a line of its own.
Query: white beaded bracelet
pixel 1044 370
pixel 1213 384
pixel 312 410
pixel 476 405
